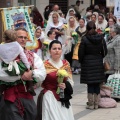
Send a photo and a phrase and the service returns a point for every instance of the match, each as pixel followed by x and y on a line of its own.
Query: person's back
pixel 93 57
pixel 91 52
pixel 93 44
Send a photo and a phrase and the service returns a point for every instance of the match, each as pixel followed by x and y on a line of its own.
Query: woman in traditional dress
pixel 101 24
pixel 51 36
pixel 55 23
pixel 54 107
pixel 71 27
pixel 81 31
pixel 96 17
pixel 93 18
pixel 39 34
pixel 71 13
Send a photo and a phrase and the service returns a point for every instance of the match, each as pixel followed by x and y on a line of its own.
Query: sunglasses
pixel 21 37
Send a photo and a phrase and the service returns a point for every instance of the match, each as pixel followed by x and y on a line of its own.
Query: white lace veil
pixel 96 13
pixel 68 15
pixel 42 33
pixel 68 24
pixel 68 35
pixel 50 20
pixel 103 25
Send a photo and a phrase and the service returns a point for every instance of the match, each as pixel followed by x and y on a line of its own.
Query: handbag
pixel 114 82
pixel 106 66
pixel 106 101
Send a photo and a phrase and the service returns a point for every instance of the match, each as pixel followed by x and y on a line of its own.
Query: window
pixel 26 2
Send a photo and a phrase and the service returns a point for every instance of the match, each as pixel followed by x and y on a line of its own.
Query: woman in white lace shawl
pixel 71 27
pixel 71 13
pixel 55 23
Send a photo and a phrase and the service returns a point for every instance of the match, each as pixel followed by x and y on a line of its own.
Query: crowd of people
pixel 73 44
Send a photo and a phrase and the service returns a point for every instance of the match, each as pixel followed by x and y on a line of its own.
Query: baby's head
pixel 9 36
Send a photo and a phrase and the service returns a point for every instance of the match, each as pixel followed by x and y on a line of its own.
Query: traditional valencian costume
pixel 15 63
pixel 68 14
pixel 81 32
pixel 50 105
pixel 19 104
pixel 70 45
pixel 40 39
pixel 52 26
pixel 101 26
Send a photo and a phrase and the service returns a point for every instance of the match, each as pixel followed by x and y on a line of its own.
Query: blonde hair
pixel 9 36
pixel 55 13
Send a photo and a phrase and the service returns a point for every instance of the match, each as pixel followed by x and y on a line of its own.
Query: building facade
pixel 41 4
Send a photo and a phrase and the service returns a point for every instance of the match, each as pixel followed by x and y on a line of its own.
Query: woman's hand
pixel 43 47
pixel 66 42
pixel 62 85
pixel 56 31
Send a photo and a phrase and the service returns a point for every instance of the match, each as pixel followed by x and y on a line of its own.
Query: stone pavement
pixel 81 113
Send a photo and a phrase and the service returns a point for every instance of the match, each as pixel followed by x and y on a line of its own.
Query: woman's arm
pixel 104 48
pixel 117 54
pixel 58 32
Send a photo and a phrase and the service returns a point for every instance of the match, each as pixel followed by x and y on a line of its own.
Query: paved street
pixel 79 101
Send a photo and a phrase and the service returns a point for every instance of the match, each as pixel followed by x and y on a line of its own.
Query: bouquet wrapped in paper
pixel 61 75
pixel 75 37
pixel 46 45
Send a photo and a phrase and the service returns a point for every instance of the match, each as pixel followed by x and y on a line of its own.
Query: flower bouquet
pixel 99 31
pixel 61 75
pixel 106 32
pixel 64 27
pixel 75 37
pixel 46 45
